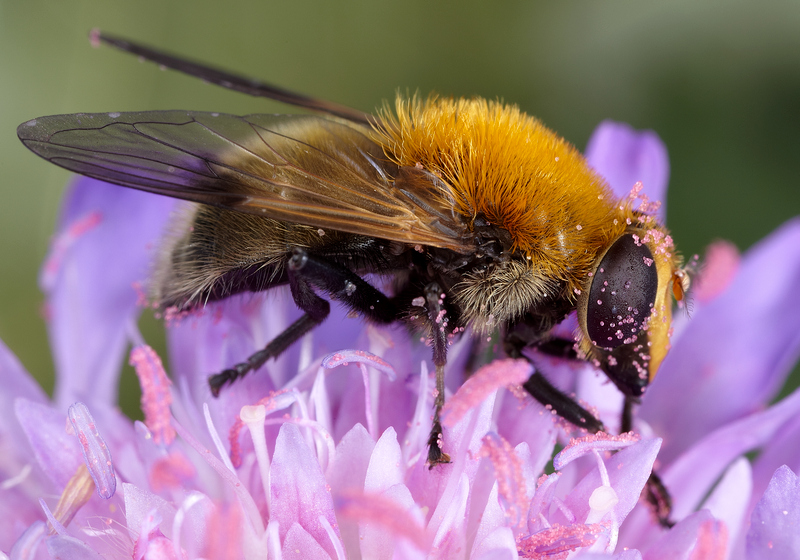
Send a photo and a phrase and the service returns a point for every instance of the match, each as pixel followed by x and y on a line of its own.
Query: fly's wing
pixel 296 168
pixel 230 80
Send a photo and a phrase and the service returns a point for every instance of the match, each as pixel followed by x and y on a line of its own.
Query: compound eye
pixel 622 294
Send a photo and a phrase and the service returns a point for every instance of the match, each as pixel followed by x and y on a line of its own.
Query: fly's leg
pixel 305 273
pixel 540 388
pixel 655 493
pixel 434 297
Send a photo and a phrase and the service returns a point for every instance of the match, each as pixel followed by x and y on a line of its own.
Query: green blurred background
pixel 718 80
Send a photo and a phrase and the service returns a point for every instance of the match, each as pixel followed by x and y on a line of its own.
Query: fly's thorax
pixel 495 163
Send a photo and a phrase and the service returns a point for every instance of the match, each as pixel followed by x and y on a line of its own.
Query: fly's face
pixel 625 310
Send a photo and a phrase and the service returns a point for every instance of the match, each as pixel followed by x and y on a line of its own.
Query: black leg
pixel 543 391
pixel 522 336
pixel 655 493
pixel 343 285
pixel 626 419
pixel 305 272
pixel 657 497
pixel 437 320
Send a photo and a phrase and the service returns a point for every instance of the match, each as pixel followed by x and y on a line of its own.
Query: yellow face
pixel 625 313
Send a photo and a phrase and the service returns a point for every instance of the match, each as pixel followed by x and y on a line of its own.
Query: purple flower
pixel 321 454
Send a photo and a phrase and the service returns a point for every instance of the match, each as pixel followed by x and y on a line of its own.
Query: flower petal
pixel 735 353
pixel 386 466
pixel 624 156
pixel 70 548
pixel 697 532
pixel 299 493
pixel 492 534
pixel 104 245
pixel 628 471
pixel 781 450
pixel 696 471
pixel 300 545
pixel 731 496
pixel 348 470
pixel 775 522
pixel 57 452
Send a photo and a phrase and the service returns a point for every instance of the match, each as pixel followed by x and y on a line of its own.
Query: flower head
pixel 321 454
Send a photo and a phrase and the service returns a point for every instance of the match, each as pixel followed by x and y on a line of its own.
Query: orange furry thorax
pixel 506 166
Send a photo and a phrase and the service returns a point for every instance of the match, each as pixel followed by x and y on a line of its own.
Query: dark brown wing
pixel 296 168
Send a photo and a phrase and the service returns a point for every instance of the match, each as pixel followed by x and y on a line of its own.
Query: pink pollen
pixel 270 403
pixel 371 508
pixel 473 391
pixel 635 190
pixel 712 541
pixel 601 441
pixel 156 395
pixel 558 541
pixel 172 471
pixel 510 478
pixel 94 38
pixel 173 314
pixel 141 295
pixel 719 268
pixel 94 448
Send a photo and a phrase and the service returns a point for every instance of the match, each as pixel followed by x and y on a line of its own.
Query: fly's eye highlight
pixel 622 293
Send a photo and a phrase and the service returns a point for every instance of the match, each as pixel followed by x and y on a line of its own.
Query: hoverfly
pixel 482 216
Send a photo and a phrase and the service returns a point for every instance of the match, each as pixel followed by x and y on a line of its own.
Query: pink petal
pixel 735 353
pixel 685 538
pixel 299 493
pixel 386 466
pixel 628 471
pixel 624 156
pixel 775 523
pixel 300 545
pixel 57 452
pixel 695 472
pixel 94 278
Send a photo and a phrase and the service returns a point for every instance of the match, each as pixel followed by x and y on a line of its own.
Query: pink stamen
pixel 253 417
pixel 489 378
pixel 172 471
pixel 275 400
pixel 510 477
pixel 375 508
pixel 601 441
pixel 363 359
pixel 558 541
pixel 95 451
pixel 719 268
pixel 62 244
pixel 156 395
